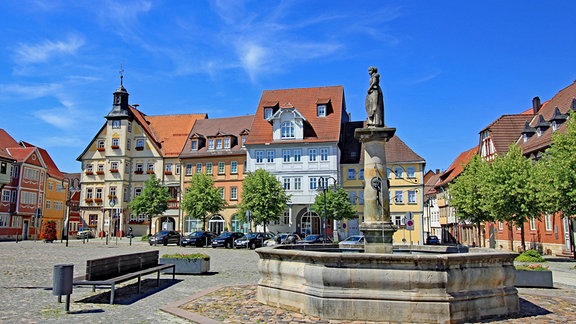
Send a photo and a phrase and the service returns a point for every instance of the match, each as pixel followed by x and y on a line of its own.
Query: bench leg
pixel 112 290
pixel 174 273
pixel 158 278
pixel 93 288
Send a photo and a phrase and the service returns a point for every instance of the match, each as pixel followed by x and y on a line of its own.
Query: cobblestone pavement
pixel 226 295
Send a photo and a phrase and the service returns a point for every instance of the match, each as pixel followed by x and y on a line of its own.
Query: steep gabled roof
pixel 171 131
pixel 505 130
pixel 51 167
pixel 457 167
pixel 563 101
pixel 431 178
pixel 305 101
pixel 23 155
pixel 234 126
pixel 398 152
pixel 6 140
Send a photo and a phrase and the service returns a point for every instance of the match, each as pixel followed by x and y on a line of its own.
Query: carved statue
pixel 374 100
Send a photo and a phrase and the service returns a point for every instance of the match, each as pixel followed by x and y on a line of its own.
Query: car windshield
pixel 353 239
pixel 225 235
pixel 196 234
pixel 250 235
pixel 161 233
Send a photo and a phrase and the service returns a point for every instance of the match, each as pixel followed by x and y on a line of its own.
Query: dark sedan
pixel 226 239
pixel 165 238
pixel 314 239
pixel 197 239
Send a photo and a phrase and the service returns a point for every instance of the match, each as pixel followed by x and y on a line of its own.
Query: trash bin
pixel 63 277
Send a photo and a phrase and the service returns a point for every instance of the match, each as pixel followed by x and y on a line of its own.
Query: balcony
pixel 173 204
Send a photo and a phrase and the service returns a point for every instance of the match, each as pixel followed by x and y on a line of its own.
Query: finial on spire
pixel 121 74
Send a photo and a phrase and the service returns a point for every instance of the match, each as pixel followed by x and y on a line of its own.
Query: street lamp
pixel 324 187
pixel 73 185
pixel 112 203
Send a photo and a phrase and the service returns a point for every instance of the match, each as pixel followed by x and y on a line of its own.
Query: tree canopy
pixel 202 198
pixel 264 196
pixel 338 205
pixel 152 201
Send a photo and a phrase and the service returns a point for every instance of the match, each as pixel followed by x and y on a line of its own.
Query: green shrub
pixel 186 256
pixel 530 256
pixel 144 237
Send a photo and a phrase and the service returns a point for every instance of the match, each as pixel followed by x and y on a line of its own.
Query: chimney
pixel 437 171
pixel 536 105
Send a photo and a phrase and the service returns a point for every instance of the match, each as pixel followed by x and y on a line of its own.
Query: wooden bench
pixel 110 271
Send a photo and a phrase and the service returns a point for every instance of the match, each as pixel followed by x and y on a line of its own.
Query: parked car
pixel 84 234
pixel 314 239
pixel 226 239
pixel 352 242
pixel 165 238
pixel 432 240
pixel 197 239
pixel 252 240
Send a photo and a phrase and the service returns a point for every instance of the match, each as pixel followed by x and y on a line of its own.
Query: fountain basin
pixel 416 288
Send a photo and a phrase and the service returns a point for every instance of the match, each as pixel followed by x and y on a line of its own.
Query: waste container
pixel 63 277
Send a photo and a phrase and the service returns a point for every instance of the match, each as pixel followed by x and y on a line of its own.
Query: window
pixel 500 225
pixel 351 174
pixel 89 193
pixel 548 222
pixel 312 154
pixel 168 168
pixel 128 145
pixel 129 127
pixel 219 144
pixel 270 156
pixel 58 205
pixel 89 168
pixel 398 172
pixel 115 124
pixel 233 193
pixel 287 129
pixel 114 166
pixel 47 204
pixel 267 113
pixel 399 220
pixel 112 191
pixel 321 110
pixel 93 219
pixel 286 218
pixel 137 191
pixel 324 154
pixel 140 167
pixel 221 167
pixel 297 155
pixel 352 197
pixel 211 144
pixel 50 186
pixel 244 138
pixel 221 191
pixel 297 183
pixel 361 174
pixel 234 167
pixel 361 197
pixel 100 144
pixel 115 142
pixel 286 156
pixel 259 156
pixel 150 167
pixel 411 196
pixel 208 167
pixel 100 168
pixel 4 220
pixel 411 172
pixel 227 142
pixel 194 146
pixel 188 169
pixel 140 144
pixel 177 168
pixel 389 173
pixel 313 183
pixel 31 174
pixel 286 182
pixel 198 167
pixel 398 197
pixel 5 195
pixel 532 224
pixel 125 193
pixel 98 193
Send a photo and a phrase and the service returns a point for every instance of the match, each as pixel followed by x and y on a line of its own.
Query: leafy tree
pixel 202 198
pixel 557 173
pixel 152 201
pixel 264 196
pixel 338 205
pixel 510 190
pixel 467 194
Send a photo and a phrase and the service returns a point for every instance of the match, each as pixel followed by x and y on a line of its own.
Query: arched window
pixel 287 129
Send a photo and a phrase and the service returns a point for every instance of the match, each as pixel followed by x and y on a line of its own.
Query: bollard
pixel 62 282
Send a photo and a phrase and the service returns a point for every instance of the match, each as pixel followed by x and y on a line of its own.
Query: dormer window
pixel 524 137
pixel 538 131
pixel 554 126
pixel 219 144
pixel 244 141
pixel 321 110
pixel 227 142
pixel 211 144
pixel 194 146
pixel 287 130
pixel 267 113
pixel 115 124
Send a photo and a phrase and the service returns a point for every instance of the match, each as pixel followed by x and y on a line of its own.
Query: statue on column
pixel 374 100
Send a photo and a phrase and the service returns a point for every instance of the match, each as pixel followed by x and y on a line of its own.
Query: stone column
pixel 377 226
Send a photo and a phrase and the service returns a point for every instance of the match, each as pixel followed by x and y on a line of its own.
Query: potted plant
pixel 530 272
pixel 194 263
pixel 49 231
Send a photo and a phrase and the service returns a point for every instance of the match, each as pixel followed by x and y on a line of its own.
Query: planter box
pixel 187 266
pixel 539 279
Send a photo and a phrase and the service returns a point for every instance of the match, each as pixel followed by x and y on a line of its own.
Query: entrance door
pixel 566 226
pixel 311 224
pixel 25 230
pixel 216 224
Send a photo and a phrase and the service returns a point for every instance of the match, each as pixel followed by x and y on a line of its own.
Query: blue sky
pixel 448 68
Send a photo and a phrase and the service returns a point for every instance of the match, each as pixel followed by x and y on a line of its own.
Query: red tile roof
pixel 51 167
pixel 562 100
pixel 171 131
pixel 457 167
pixel 505 130
pixel 397 151
pixel 304 100
pixel 6 140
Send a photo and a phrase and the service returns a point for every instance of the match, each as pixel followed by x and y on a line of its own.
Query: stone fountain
pixel 429 285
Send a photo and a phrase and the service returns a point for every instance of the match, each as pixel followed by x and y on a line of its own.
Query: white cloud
pixel 42 52
pixel 17 91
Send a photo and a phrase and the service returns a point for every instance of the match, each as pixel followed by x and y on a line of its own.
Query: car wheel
pixel 213 246
pixel 227 245
pixel 253 246
pixel 165 243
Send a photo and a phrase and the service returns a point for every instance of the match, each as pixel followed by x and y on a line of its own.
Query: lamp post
pixel 73 185
pixel 324 188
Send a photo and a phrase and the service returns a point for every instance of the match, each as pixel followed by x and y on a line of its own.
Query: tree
pixel 510 190
pixel 338 205
pixel 202 198
pixel 467 194
pixel 264 196
pixel 557 174
pixel 152 201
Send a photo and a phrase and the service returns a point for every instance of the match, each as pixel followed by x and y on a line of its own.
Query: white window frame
pixel 211 144
pixel 548 222
pixel 312 155
pixel 259 156
pixel 267 113
pixel 209 168
pixel 221 167
pixel 234 167
pixel 324 153
pixel 226 142
pixel 233 193
pixel 412 198
pixel 297 155
pixel 286 156
pixel 218 143
pixel 398 197
pixel 351 174
pixel 287 130
pixel 198 167
pixel 411 172
pixel 321 110
pixel 270 156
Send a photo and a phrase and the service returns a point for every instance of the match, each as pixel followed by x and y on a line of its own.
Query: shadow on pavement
pixel 128 294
